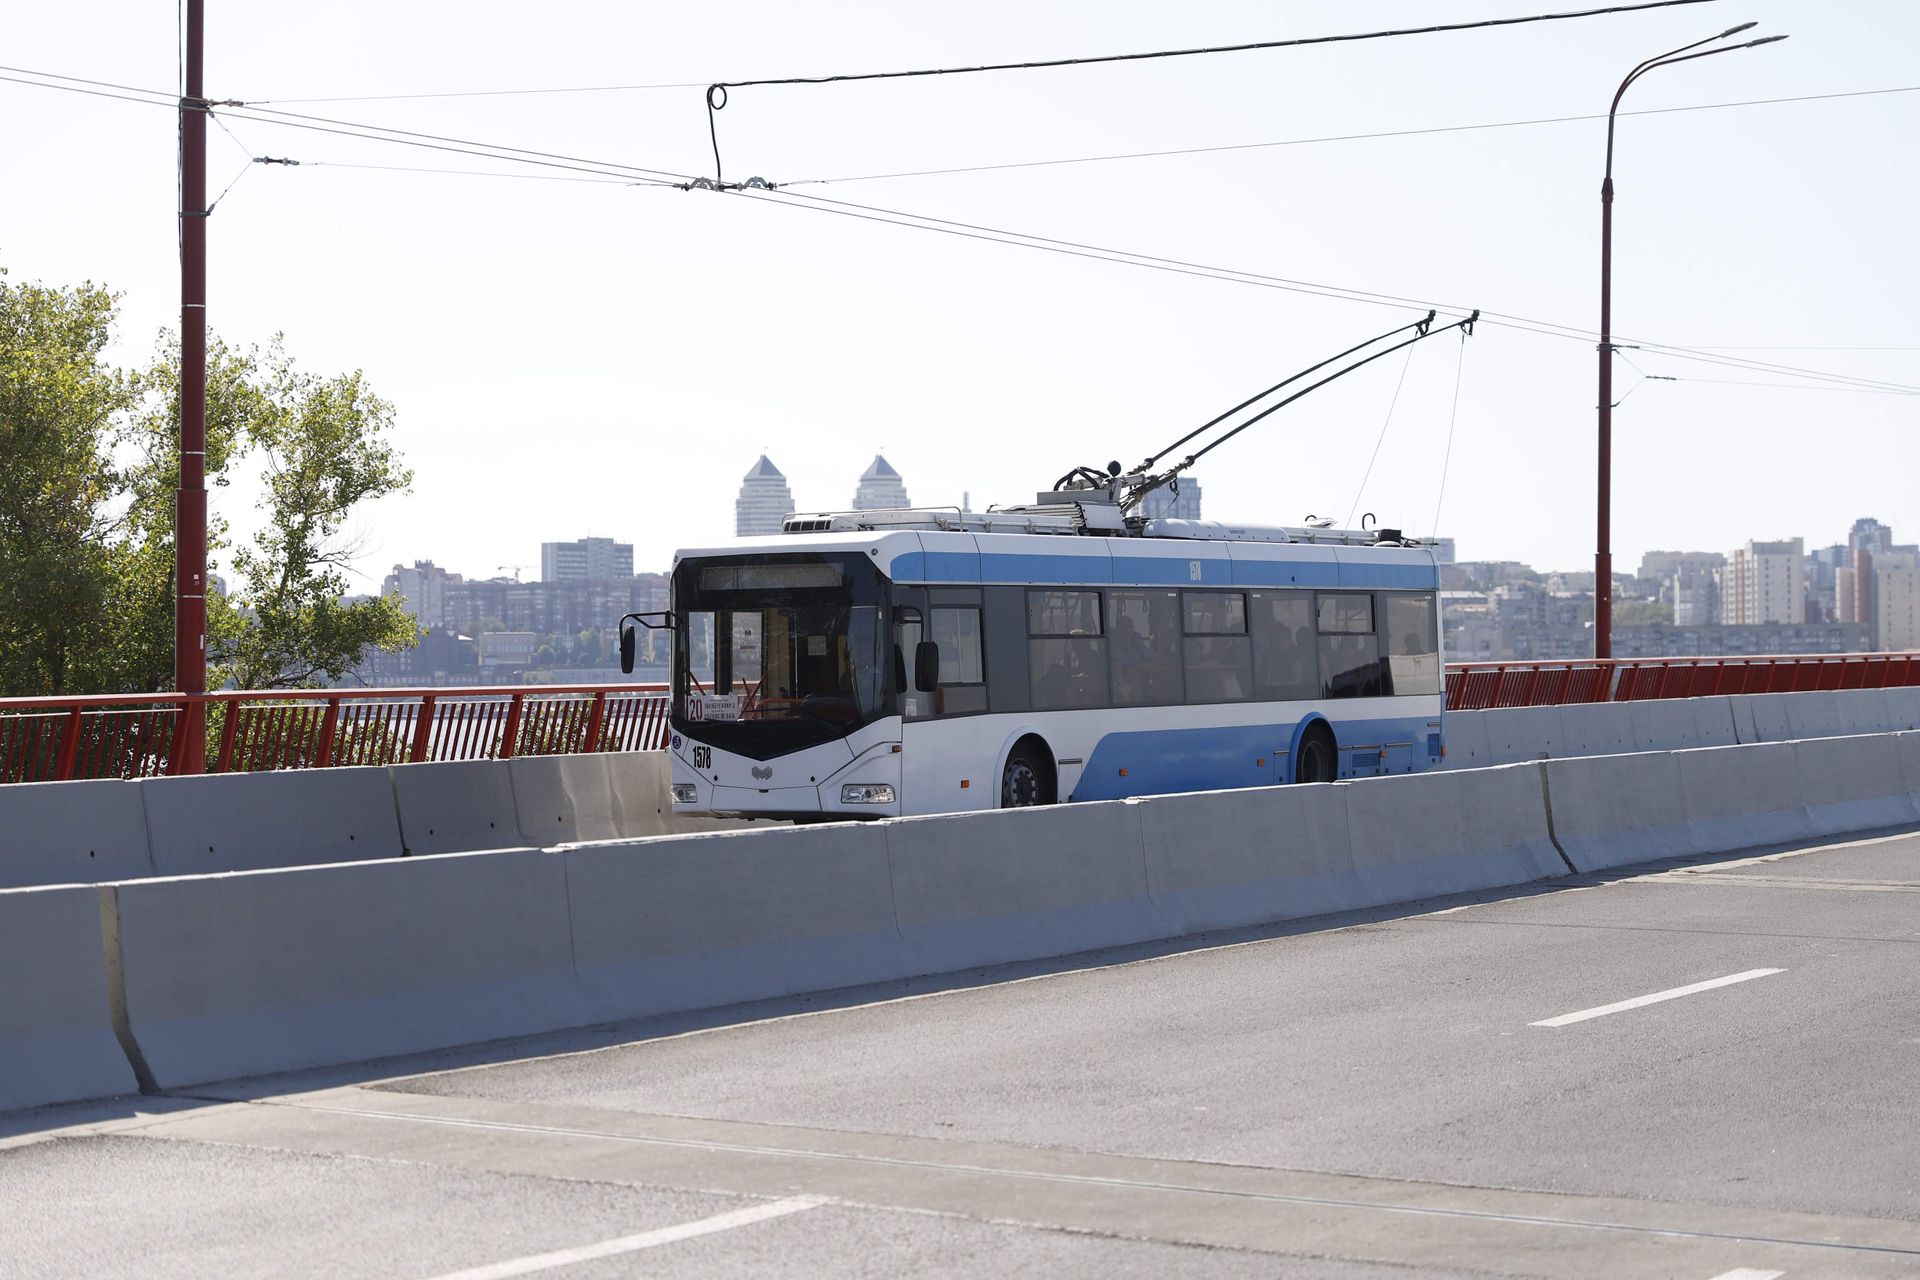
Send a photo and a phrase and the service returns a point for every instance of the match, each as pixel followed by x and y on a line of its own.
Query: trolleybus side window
pixel 963 674
pixel 1144 643
pixel 1413 650
pixel 1066 652
pixel 1285 649
pixel 1349 649
pixel 1218 652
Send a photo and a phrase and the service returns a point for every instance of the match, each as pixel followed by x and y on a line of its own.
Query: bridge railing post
pixel 422 730
pixel 329 728
pixel 229 731
pixel 510 736
pixel 69 745
pixel 596 718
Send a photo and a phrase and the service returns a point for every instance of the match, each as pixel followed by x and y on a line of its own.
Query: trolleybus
pixel 871 664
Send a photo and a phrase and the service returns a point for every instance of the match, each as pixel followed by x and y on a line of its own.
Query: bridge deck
pixel 1345 1097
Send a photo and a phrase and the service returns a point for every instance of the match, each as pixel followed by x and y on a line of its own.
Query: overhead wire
pixel 1189 267
pixel 470 173
pixel 1453 417
pixel 974 231
pixel 1341 137
pixel 1361 492
pixel 717 93
pixel 1248 47
pixel 489 93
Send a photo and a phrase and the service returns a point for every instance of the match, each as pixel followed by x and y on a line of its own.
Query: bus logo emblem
pixel 764 775
pixel 1193 570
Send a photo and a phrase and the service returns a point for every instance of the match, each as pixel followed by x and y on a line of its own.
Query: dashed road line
pixel 644 1240
pixel 1671 993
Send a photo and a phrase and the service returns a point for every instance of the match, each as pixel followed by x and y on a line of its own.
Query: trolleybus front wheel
pixel 1026 781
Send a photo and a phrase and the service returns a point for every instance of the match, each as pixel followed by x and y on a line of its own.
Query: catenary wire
pixel 1361 492
pixel 1342 137
pixel 469 173
pixel 1185 266
pixel 1795 386
pixel 1251 46
pixel 1453 416
pixel 978 232
pixel 488 93
pixel 246 167
pixel 717 92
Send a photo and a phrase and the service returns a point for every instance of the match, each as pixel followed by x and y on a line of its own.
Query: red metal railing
pixel 1479 686
pixel 115 736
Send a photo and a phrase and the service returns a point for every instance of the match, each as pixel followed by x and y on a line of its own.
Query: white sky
pixel 571 359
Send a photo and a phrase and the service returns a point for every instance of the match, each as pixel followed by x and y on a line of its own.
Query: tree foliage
pixel 87 505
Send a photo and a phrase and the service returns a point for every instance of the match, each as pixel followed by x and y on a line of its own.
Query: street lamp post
pixel 1603 554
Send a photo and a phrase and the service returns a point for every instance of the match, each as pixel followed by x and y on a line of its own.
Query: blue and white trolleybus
pixel 867 664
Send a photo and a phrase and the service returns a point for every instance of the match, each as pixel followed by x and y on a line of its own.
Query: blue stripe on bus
pixel 941 566
pixel 1151 571
pixel 1286 573
pixel 1004 566
pixel 1171 761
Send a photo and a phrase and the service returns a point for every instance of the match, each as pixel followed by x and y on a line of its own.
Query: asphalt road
pixel 1349 1098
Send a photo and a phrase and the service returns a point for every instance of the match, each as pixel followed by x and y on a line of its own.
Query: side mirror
pixel 627 637
pixel 926 666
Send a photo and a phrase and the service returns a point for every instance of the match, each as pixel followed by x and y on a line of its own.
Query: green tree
pixel 325 448
pixel 59 404
pixel 91 466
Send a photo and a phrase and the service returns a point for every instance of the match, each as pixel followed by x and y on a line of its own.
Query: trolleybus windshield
pixel 776 653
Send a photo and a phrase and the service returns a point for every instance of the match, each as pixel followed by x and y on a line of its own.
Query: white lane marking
pixel 1672 993
pixel 634 1243
pixel 1749 1273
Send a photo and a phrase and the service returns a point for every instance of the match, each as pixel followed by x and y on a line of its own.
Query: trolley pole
pixel 190 501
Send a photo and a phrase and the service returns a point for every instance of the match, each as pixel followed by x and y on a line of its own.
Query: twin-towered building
pixel 765 500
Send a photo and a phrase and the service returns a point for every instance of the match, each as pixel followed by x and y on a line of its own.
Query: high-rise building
pixel 881 488
pixel 1764 582
pixel 1696 597
pixel 1164 504
pixel 764 501
pixel 1661 565
pixel 1870 535
pixel 1896 600
pixel 586 560
pixel 422 590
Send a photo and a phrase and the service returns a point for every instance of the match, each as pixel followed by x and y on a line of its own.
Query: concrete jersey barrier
pixel 1231 859
pixel 257 972
pixel 249 821
pixel 457 807
pixel 72 833
pixel 1005 885
pixel 230 975
pixel 689 922
pixel 1853 784
pixel 1614 811
pixel 57 1042
pixel 1743 797
pixel 1450 833
pixel 1595 729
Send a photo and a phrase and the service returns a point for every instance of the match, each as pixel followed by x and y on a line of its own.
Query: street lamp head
pixel 1755 44
pixel 1734 31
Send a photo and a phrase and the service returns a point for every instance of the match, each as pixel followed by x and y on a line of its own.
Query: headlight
pixel 866 793
pixel 683 793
